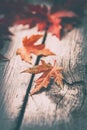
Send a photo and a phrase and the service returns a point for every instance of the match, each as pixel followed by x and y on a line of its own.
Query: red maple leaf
pixel 61 16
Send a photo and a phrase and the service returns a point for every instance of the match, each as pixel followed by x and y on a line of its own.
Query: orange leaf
pixel 39 68
pixel 48 72
pixel 44 79
pixel 30 41
pixel 29 48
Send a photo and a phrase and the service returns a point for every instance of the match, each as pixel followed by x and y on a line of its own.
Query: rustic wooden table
pixel 52 109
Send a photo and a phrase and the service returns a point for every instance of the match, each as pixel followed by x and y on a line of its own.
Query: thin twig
pixel 22 111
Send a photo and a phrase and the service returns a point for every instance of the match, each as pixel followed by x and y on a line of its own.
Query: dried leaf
pixel 44 80
pixel 39 68
pixel 48 72
pixel 53 18
pixel 31 40
pixel 29 47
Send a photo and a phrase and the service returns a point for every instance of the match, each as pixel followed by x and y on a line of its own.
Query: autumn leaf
pixel 55 21
pixel 39 68
pixel 49 72
pixel 41 16
pixel 44 80
pixel 53 18
pixel 44 19
pixel 29 48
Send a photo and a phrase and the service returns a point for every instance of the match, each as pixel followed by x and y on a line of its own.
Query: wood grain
pixel 51 108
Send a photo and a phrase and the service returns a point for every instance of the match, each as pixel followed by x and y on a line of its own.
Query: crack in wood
pixel 63 101
pixel 22 111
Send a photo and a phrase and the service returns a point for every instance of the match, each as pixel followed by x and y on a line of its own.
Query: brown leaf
pixel 48 72
pixel 44 79
pixel 30 41
pixel 29 47
pixel 39 68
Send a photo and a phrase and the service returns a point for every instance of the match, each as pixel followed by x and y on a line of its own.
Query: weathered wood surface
pixel 52 109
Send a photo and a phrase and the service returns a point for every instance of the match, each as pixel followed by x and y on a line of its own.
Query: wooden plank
pixel 51 109
pixel 13 84
pixel 48 110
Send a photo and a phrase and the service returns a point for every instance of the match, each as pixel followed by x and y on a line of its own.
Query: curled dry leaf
pixel 29 48
pixel 48 71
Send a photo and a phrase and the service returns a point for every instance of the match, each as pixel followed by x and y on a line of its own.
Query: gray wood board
pixel 52 108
